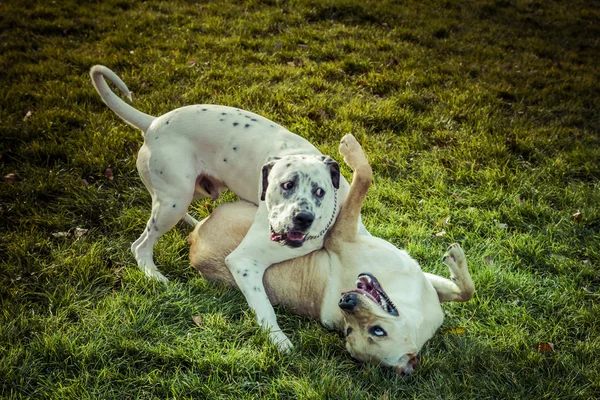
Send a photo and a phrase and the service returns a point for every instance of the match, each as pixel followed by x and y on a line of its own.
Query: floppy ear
pixel 265 176
pixel 334 170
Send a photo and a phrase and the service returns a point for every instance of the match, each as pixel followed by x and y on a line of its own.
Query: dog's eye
pixel 377 331
pixel 287 185
pixel 319 192
pixel 348 331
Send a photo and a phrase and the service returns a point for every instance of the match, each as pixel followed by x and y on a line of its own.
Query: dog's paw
pixel 456 255
pixel 279 339
pixel 154 274
pixel 352 152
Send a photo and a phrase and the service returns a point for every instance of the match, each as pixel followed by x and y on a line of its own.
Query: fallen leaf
pixel 191 62
pixel 457 196
pixel 544 347
pixel 324 116
pixel 60 234
pixel 456 330
pixel 29 114
pixel 79 232
pixel 197 320
pixel 443 222
pixel 489 260
pixel 109 174
pixel 291 63
pixel 11 178
pixel 278 46
pixel 85 182
pixel 303 46
pixel 439 234
pixel 577 217
pixel 502 226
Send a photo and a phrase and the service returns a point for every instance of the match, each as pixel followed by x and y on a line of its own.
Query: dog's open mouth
pixel 368 286
pixel 291 238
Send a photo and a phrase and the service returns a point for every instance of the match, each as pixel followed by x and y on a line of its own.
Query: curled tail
pixel 129 114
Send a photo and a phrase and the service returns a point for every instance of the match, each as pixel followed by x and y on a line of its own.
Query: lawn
pixel 480 119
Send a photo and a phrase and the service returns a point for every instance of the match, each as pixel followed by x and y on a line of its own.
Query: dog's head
pixel 299 192
pixel 376 331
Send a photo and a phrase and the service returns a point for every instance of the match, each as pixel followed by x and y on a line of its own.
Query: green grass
pixel 484 111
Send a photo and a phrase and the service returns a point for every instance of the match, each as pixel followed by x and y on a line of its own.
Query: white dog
pixel 387 314
pixel 201 150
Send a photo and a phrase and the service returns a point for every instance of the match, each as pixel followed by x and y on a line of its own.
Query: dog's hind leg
pixel 172 188
pixel 460 286
pixel 166 212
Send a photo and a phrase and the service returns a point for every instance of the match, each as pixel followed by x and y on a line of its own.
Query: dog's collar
pixel 330 219
pixel 311 237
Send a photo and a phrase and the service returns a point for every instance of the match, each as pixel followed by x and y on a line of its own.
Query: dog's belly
pixel 230 145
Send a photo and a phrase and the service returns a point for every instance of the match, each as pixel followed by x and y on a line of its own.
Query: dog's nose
pixel 348 302
pixel 303 220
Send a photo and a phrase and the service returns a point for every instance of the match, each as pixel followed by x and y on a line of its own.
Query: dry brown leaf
pixel 197 320
pixel 11 178
pixel 577 217
pixel 544 347
pixel 28 115
pixel 60 234
pixel 85 182
pixel 192 62
pixel 80 232
pixel 489 260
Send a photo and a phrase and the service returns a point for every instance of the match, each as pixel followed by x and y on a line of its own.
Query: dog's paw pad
pixel 456 253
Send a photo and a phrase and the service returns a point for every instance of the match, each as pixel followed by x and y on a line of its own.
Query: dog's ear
pixel 334 170
pixel 265 176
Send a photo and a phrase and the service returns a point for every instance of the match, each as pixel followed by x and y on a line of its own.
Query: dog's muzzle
pixel 296 236
pixel 368 286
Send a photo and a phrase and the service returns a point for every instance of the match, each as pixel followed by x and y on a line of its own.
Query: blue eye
pixel 377 331
pixel 348 331
pixel 287 185
pixel 319 192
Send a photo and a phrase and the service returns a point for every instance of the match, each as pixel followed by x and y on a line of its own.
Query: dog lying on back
pixel 362 285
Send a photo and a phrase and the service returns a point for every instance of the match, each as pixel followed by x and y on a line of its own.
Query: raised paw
pixel 279 339
pixel 455 254
pixel 352 152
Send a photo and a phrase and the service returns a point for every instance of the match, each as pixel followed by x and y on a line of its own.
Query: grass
pixel 484 111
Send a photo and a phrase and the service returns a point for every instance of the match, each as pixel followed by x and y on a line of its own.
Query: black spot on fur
pixel 204 109
pixel 156 138
pixel 223 113
pixel 283 147
pixel 235 148
pixel 272 126
pixel 288 165
pixel 253 119
pixel 247 126
pixel 257 289
pixel 245 274
pixel 221 120
pixel 167 122
pixel 174 205
pixel 224 160
pixel 236 123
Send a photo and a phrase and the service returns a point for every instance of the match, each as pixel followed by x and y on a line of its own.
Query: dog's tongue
pixel 295 235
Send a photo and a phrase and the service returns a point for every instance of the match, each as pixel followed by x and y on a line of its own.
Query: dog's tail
pixel 129 114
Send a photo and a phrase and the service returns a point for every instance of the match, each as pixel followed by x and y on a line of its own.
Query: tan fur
pixel 311 285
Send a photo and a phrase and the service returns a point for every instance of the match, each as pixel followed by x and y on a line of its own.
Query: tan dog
pixel 388 326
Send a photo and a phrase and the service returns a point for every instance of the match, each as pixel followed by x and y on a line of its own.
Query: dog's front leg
pixel 248 272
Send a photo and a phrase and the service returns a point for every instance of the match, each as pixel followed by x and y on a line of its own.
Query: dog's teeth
pixel 368 278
